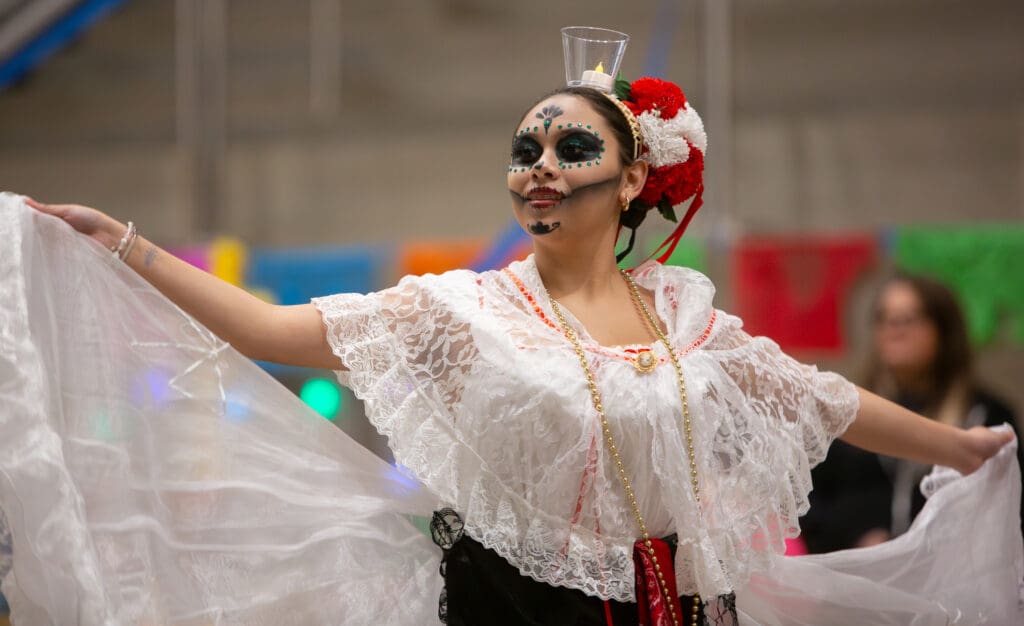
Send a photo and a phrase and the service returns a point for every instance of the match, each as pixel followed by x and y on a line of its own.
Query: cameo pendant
pixel 645 361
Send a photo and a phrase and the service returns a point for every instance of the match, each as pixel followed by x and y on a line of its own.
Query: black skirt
pixel 483 588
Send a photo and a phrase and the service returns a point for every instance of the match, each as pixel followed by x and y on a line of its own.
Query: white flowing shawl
pixel 151 474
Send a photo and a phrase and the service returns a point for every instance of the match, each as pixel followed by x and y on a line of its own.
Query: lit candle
pixel 597 78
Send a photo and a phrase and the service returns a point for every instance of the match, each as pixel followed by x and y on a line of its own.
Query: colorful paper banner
pixel 425 257
pixel 983 265
pixel 794 289
pixel 295 275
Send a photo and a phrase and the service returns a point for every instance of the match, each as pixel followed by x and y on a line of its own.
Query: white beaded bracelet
pixel 131 244
pixel 122 249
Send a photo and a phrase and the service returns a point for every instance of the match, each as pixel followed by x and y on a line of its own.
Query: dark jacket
pixel 856 491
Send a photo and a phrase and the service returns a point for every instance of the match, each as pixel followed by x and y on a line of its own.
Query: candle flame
pixel 600 67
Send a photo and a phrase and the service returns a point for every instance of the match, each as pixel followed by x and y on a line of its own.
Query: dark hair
pixel 620 127
pixel 952 366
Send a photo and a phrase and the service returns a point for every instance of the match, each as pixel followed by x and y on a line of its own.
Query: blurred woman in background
pixel 921 359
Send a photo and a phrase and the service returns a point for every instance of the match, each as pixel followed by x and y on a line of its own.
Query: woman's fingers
pixel 83 219
pixel 57 210
pixel 35 204
pixel 983 444
pixel 998 438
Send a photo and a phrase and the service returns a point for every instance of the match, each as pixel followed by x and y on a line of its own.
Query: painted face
pixel 564 171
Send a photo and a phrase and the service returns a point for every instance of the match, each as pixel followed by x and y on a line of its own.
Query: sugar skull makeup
pixel 557 161
pixel 548 114
pixel 578 146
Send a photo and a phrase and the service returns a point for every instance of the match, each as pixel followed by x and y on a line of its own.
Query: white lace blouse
pixel 482 397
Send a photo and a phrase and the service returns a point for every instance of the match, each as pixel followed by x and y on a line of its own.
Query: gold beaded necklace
pixel 595 397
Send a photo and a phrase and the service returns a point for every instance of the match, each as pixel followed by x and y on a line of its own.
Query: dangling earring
pixel 625 204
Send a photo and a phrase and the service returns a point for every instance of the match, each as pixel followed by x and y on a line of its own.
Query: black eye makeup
pixel 525 151
pixel 578 147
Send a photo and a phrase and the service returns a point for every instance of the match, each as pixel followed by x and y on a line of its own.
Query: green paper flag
pixel 984 265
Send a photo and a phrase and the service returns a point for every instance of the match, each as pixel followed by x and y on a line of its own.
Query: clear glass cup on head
pixel 593 56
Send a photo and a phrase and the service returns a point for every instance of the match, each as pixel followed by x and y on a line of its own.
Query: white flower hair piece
pixel 668 141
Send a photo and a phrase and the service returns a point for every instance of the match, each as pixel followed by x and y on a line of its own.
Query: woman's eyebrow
pixel 534 131
pixel 578 132
pixel 520 137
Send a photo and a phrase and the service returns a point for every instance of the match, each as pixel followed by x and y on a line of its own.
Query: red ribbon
pixel 651 603
pixel 673 240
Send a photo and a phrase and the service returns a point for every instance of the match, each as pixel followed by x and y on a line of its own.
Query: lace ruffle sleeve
pixel 764 420
pixel 407 352
pixel 815 406
pixel 409 332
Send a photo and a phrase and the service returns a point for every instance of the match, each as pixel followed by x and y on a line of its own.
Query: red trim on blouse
pixel 628 354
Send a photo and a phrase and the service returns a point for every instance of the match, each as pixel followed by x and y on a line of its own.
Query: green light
pixel 103 428
pixel 323 396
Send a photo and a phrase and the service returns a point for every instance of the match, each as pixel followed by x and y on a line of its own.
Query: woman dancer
pixel 601 447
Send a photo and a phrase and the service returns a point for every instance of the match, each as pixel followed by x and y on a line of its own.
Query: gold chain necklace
pixel 595 397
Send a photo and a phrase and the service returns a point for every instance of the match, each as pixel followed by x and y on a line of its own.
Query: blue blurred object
pixel 57 34
pixel 296 275
pixel 236 406
pixel 5 558
pixel 506 245
pixel 667 17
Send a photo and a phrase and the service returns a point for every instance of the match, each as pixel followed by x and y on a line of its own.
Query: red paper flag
pixel 794 289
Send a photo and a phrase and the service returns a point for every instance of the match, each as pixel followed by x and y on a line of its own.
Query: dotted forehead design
pixel 567 126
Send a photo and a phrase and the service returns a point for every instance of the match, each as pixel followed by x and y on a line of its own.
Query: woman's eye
pixel 576 148
pixel 525 153
pixel 572 153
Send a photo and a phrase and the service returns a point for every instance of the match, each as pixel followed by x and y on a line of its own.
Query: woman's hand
pixel 979 444
pixel 887 428
pixel 91 222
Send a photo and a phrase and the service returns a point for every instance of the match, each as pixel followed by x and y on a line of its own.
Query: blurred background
pixel 309 147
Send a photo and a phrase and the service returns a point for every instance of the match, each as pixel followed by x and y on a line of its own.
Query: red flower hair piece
pixel 654 94
pixel 674 145
pixel 675 183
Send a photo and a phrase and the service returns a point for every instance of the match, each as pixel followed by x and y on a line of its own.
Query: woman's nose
pixel 544 169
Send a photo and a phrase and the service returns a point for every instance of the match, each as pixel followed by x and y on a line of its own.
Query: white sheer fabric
pixel 960 563
pixel 150 474
pixel 485 401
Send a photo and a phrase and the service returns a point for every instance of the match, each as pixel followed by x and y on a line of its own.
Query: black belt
pixel 482 588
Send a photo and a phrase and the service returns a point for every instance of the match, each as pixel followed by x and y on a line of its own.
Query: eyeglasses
pixel 900 320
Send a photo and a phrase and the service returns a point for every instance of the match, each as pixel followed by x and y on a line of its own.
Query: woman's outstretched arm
pixel 887 428
pixel 293 335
